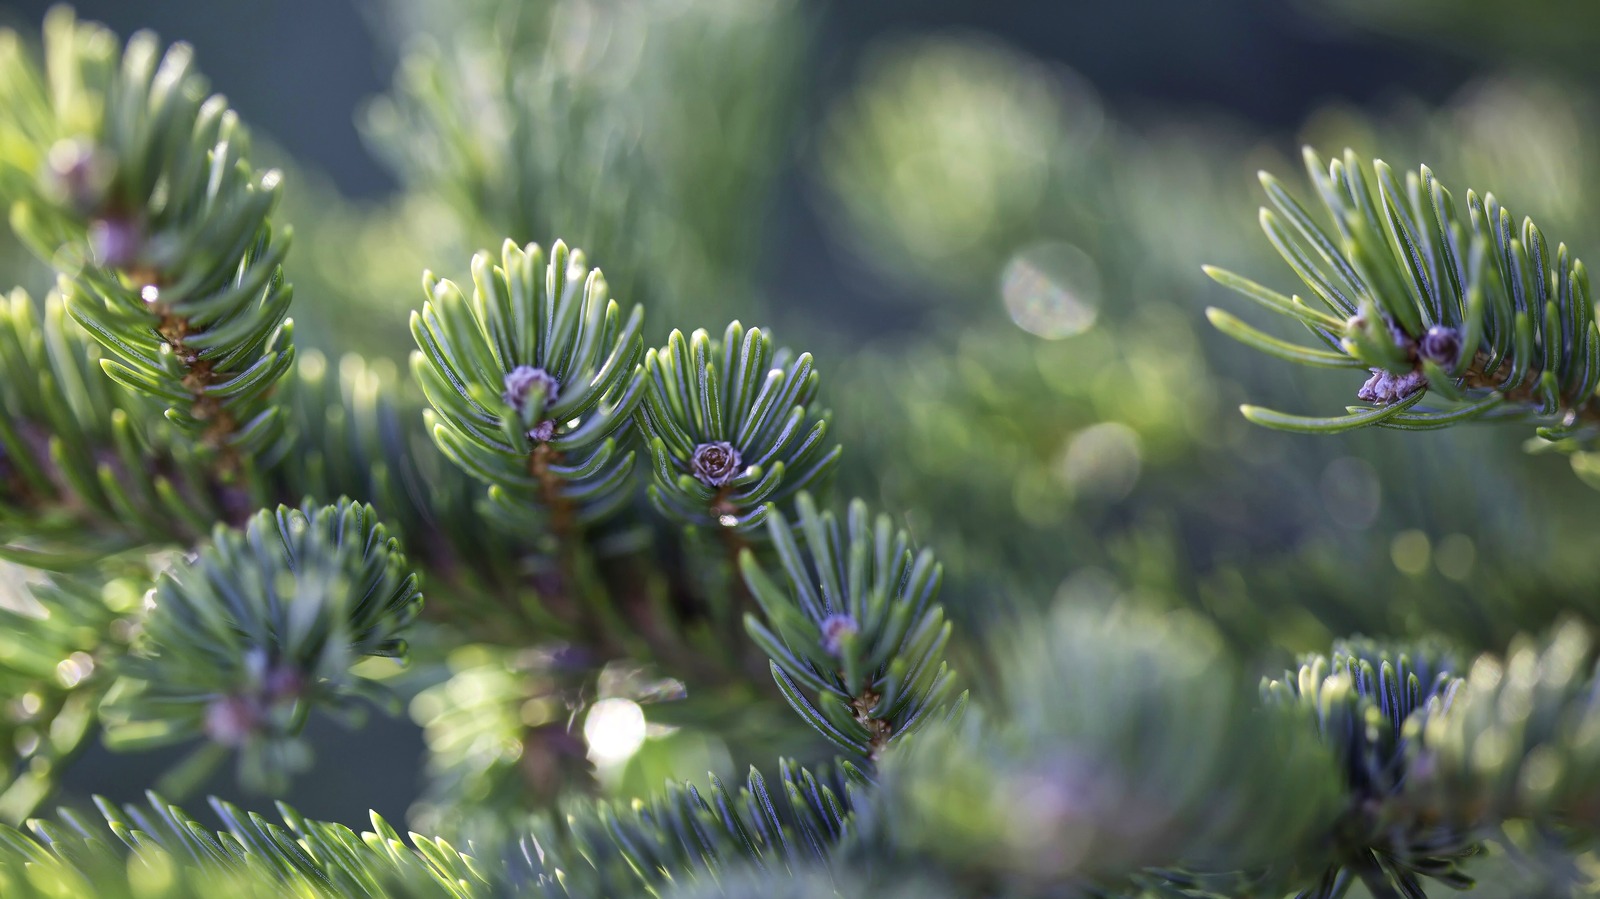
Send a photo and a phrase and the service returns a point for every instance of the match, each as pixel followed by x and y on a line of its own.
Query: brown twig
pixel 879 731
pixel 561 524
pixel 1478 377
pixel 201 374
pixel 734 544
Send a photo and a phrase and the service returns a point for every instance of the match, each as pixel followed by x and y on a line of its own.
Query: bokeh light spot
pixel 1103 461
pixel 1411 551
pixel 1051 290
pixel 614 729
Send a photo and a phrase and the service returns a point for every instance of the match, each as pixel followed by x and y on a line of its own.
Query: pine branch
pixel 1477 315
pixel 262 627
pixel 682 835
pixel 1058 787
pixel 856 640
pixel 596 850
pixel 1371 703
pixel 530 380
pixel 731 431
pixel 87 471
pixel 160 852
pixel 157 226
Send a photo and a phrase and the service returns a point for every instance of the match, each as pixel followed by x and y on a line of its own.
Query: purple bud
pixel 521 381
pixel 284 684
pixel 1385 387
pixel 233 720
pixel 1441 345
pixel 715 464
pixel 115 242
pixel 543 431
pixel 79 172
pixel 1369 391
pixel 835 628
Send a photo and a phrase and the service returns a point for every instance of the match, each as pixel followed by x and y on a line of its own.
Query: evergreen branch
pixel 530 380
pixel 360 432
pixel 84 471
pixel 1476 312
pixel 603 849
pixel 731 433
pixel 147 208
pixel 731 440
pixel 596 850
pixel 263 626
pixel 160 852
pixel 856 640
pixel 1058 787
pixel 1371 703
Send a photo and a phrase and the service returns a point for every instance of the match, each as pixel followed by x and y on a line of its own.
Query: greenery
pixel 1056 624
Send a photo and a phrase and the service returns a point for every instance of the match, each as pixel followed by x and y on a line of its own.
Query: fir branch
pixel 1371 703
pixel 87 471
pixel 530 380
pixel 731 440
pixel 731 429
pixel 158 226
pixel 594 850
pixel 1479 313
pixel 856 627
pixel 603 849
pixel 242 643
pixel 1057 787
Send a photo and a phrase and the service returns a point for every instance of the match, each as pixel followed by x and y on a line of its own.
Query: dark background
pixel 298 69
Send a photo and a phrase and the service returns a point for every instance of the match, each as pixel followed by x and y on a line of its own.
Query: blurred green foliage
pixel 1047 412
